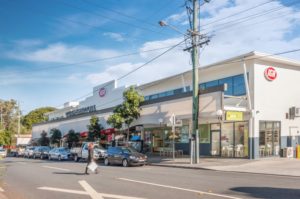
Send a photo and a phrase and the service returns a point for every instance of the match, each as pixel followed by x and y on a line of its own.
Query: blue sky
pixel 42 42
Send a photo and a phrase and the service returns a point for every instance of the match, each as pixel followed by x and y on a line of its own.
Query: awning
pixel 135 138
pixel 23 141
pixel 108 131
pixel 84 134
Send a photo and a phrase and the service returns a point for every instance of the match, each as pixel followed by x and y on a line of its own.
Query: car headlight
pixel 132 157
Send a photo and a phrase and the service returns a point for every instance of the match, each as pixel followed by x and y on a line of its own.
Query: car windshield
pixel 128 150
pixel 2 150
pixel 63 150
pixel 98 147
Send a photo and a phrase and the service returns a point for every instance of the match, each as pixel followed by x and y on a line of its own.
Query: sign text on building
pixel 234 116
pixel 81 111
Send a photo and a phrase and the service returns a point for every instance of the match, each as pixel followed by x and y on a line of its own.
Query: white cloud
pixel 115 36
pixel 61 53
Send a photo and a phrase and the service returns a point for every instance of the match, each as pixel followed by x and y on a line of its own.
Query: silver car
pixel 60 153
pixel 3 153
pixel 28 153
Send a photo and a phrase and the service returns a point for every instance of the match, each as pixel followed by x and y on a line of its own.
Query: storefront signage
pixel 102 92
pixel 234 116
pixel 270 74
pixel 81 111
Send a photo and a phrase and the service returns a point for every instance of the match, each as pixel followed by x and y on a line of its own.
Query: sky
pixel 55 51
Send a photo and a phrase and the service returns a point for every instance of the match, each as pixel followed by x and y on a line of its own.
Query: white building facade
pixel 247 109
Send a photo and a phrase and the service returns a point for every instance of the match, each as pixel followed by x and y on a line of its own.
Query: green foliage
pixel 94 129
pixel 5 137
pixel 72 138
pixel 44 140
pixel 55 136
pixel 128 111
pixel 36 116
pixel 116 120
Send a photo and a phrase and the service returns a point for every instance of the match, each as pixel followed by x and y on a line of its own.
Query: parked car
pixel 41 152
pixel 28 153
pixel 20 152
pixel 82 152
pixel 3 153
pixel 125 156
pixel 60 153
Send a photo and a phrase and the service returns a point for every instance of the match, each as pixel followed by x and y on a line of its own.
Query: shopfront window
pixel 204 133
pixel 227 142
pixel 241 139
pixel 184 134
pixel 269 138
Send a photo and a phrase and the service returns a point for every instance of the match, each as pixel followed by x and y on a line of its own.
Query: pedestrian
pixel 90 159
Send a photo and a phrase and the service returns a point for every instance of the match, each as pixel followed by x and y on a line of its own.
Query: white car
pixel 3 153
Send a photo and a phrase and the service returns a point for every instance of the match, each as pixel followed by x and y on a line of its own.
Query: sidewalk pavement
pixel 272 166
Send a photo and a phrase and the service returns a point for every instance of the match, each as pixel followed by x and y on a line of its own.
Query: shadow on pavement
pixel 69 173
pixel 269 192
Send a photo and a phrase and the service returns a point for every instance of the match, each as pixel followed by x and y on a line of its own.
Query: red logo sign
pixel 270 74
pixel 102 92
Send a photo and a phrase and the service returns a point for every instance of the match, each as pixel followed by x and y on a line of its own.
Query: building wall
pixel 78 124
pixel 274 98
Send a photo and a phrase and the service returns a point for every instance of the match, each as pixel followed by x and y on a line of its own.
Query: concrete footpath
pixel 272 166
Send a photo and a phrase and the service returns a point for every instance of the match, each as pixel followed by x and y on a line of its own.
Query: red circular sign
pixel 270 74
pixel 102 92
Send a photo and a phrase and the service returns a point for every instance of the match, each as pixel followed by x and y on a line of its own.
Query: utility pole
pixel 197 40
pixel 195 61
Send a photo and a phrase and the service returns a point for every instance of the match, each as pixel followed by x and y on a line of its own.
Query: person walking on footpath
pixel 90 159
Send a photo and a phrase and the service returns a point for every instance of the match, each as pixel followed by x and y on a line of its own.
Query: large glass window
pixel 239 85
pixel 204 133
pixel 212 84
pixel 269 136
pixel 229 83
pixel 227 142
pixel 184 134
pixel 241 139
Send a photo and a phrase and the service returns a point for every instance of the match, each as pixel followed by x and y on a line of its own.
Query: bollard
pixel 298 152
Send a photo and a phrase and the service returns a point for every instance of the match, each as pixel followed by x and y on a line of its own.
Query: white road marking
pixel 179 188
pixel 1 190
pixel 88 191
pixel 57 168
pixel 92 192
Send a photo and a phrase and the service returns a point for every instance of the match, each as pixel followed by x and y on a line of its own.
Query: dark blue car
pixel 125 156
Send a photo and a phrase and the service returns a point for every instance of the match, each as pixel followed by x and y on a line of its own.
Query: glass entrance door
pixel 269 138
pixel 215 143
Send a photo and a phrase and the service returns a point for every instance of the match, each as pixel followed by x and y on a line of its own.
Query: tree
pixel 44 140
pixel 5 137
pixel 55 136
pixel 94 128
pixel 36 116
pixel 72 138
pixel 128 111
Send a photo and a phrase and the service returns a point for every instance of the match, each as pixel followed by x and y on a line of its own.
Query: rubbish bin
pixel 298 151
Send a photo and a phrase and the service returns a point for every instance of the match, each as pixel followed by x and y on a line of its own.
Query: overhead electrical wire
pixel 134 70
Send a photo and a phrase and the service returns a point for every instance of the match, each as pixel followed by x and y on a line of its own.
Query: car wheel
pixel 106 162
pixel 125 163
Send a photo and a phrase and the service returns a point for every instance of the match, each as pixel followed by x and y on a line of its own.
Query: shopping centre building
pixel 249 107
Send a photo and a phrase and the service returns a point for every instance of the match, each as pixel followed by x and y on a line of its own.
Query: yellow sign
pixel 234 116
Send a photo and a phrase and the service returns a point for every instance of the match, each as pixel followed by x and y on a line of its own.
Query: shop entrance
pixel 215 131
pixel 269 138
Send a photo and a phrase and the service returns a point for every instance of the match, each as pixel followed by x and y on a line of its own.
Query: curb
pixel 207 169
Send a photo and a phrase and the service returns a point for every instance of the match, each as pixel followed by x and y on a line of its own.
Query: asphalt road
pixel 36 179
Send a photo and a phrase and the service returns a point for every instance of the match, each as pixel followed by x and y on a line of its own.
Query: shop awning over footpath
pixel 84 134
pixel 108 131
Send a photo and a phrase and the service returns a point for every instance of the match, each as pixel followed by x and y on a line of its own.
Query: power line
pixel 240 12
pixel 225 63
pixel 109 18
pixel 132 71
pixel 251 17
pixel 89 61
